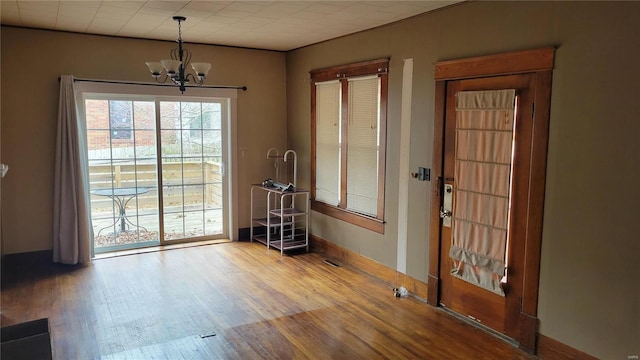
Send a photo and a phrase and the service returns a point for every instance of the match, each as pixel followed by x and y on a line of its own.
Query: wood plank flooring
pixel 234 301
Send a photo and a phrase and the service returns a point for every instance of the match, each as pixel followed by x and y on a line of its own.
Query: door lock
pixel 447 208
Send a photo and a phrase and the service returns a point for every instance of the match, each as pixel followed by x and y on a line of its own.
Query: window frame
pixel 123 90
pixel 379 67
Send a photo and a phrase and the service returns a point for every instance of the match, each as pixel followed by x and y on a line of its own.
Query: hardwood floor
pixel 234 301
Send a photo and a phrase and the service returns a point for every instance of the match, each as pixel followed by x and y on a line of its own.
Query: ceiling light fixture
pixel 176 66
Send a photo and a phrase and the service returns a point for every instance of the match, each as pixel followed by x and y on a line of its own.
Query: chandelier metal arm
pixel 164 78
pixel 195 79
pixel 176 69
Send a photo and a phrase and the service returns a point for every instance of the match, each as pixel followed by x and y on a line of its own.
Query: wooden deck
pixel 202 185
pixel 178 225
pixel 234 301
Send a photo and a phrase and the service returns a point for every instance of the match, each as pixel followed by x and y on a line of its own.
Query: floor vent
pixel 331 263
pixel 204 336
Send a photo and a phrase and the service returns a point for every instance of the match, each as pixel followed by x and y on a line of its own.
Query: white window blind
pixel 349 115
pixel 328 142
pixel 363 145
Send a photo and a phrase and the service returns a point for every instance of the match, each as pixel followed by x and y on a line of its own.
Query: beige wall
pixel 590 282
pixel 32 61
pixel 589 292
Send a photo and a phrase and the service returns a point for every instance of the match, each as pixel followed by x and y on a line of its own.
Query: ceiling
pixel 272 25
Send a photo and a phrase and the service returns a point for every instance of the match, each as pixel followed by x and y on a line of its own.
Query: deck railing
pixel 129 174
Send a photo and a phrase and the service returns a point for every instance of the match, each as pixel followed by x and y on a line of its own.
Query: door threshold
pixel 157 248
pixel 480 326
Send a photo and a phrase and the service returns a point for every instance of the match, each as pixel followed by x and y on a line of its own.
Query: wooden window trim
pixel 344 125
pixel 366 222
pixel 342 73
pixel 379 66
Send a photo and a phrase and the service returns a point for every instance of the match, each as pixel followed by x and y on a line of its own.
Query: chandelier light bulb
pixel 201 69
pixel 172 66
pixel 155 68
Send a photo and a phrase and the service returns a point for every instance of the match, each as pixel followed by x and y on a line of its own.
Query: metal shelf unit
pixel 285 226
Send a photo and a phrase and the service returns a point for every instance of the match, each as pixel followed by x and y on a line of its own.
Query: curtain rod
pixel 243 88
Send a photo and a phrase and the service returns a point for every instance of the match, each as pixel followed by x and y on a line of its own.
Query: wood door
pixel 488 307
pixel 529 72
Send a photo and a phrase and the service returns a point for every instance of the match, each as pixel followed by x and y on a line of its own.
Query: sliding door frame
pixel 163 93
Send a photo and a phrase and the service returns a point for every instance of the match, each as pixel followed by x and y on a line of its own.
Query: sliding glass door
pixel 192 169
pixel 156 170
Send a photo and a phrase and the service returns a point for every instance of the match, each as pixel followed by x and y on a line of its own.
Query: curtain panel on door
pixel 483 156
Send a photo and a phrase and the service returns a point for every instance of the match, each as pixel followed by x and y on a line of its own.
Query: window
pixel 348 117
pixel 121 119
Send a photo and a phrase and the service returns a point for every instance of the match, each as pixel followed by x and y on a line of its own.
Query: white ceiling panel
pixel 271 25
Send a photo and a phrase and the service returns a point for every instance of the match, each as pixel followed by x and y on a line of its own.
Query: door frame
pixel 88 87
pixel 538 62
pixel 225 159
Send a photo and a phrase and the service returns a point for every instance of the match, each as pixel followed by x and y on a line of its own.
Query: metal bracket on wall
pixel 423 174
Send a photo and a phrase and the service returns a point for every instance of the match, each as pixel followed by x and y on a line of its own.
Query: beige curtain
pixel 483 154
pixel 71 217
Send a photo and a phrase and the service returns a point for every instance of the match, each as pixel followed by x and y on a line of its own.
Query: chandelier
pixel 176 66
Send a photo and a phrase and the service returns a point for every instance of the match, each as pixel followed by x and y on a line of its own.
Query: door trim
pixel 538 62
pixel 518 62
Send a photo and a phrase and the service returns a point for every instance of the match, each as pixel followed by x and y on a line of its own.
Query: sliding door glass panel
pixel 214 186
pixel 191 142
pixel 122 157
pixel 123 143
